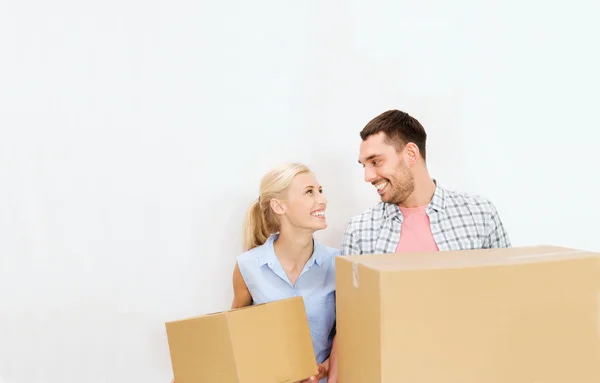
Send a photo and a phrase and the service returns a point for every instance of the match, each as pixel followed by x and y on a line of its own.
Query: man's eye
pixel 309 191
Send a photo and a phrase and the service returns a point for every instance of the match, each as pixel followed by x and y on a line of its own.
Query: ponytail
pixel 256 232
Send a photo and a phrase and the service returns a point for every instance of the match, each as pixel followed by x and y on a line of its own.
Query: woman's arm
pixel 241 294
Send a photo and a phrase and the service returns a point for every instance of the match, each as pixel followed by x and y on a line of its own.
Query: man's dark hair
pixel 399 128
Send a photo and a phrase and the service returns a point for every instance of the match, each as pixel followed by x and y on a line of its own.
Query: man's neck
pixel 423 193
pixel 293 249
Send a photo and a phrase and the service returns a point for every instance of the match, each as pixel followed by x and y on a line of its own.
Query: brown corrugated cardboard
pixel 518 315
pixel 268 343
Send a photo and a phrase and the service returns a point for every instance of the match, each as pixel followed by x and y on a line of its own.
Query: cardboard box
pixel 267 343
pixel 518 315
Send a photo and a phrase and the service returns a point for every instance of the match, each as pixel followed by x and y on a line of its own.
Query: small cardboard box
pixel 517 315
pixel 268 343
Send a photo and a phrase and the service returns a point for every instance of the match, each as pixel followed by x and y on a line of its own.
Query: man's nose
pixel 369 174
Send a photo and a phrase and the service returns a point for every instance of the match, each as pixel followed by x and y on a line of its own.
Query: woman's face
pixel 305 204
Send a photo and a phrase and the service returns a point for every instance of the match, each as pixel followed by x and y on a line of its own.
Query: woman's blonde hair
pixel 260 220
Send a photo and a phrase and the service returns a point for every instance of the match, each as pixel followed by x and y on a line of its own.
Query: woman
pixel 283 260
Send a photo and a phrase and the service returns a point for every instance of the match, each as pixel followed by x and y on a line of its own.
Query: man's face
pixel 386 169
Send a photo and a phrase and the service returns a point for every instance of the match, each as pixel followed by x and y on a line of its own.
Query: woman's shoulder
pixel 257 252
pixel 253 253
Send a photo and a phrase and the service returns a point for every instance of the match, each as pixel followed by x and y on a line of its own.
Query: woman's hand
pixel 323 372
pixel 323 369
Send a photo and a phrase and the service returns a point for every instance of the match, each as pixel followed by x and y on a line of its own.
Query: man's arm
pixel 497 236
pixel 333 360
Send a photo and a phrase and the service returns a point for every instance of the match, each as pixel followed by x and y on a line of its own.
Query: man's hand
pixel 323 373
pixel 333 363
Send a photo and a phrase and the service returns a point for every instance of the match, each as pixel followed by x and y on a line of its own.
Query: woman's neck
pixel 293 249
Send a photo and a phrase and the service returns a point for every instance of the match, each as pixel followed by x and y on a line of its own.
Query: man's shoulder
pixel 458 199
pixel 360 234
pixel 368 215
pixel 479 210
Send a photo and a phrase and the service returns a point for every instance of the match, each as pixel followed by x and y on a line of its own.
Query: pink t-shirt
pixel 415 235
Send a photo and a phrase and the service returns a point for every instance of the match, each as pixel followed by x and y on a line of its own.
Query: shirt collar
pixel 437 203
pixel 268 256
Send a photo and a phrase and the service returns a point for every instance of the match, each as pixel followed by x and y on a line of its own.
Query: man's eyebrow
pixel 368 158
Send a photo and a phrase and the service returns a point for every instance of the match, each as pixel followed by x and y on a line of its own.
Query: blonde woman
pixel 281 258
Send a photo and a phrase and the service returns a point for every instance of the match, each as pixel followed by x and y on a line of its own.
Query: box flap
pixel 466 258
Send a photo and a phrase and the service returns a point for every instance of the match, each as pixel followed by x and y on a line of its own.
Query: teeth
pixel 381 185
pixel 319 214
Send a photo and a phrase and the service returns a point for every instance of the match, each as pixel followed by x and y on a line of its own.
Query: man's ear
pixel 412 153
pixel 277 206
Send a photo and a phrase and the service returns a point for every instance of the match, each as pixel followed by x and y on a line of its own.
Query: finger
pixel 322 373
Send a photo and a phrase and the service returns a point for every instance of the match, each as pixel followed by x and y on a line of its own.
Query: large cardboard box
pixel 266 343
pixel 518 315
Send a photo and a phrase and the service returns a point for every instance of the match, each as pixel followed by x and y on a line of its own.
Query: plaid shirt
pixel 458 222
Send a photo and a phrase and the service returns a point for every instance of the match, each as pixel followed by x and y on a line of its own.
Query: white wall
pixel 133 136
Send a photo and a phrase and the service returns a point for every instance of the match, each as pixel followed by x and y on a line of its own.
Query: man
pixel 415 213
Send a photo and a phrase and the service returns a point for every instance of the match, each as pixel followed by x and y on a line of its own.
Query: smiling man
pixel 415 213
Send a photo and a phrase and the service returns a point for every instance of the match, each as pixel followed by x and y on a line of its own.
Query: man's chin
pixel 384 199
pixel 388 199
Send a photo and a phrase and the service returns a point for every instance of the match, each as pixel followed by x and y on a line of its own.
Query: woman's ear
pixel 277 206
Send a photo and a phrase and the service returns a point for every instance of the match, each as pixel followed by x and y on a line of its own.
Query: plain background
pixel 133 136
